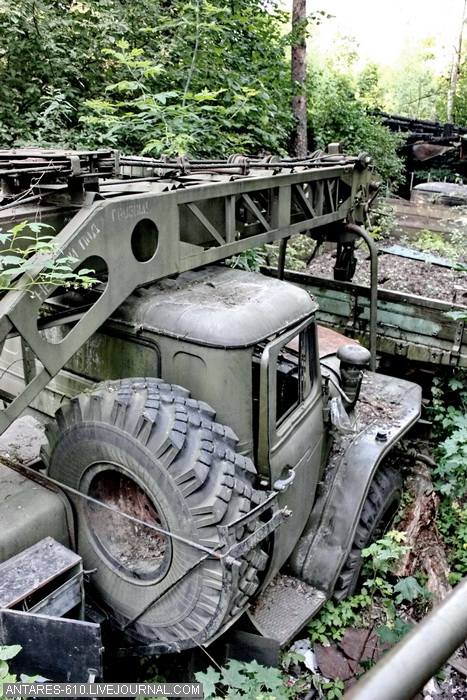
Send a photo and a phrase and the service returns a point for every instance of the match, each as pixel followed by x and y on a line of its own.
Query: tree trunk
pixel 455 72
pixel 426 554
pixel 299 77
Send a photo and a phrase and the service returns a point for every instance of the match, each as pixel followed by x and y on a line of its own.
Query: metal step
pixel 285 607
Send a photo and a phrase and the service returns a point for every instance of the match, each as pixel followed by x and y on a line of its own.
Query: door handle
pixel 283 484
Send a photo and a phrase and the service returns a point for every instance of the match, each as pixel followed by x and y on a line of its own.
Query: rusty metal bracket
pixel 241 548
pixel 456 346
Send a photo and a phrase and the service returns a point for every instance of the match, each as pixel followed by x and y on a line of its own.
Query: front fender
pixel 387 408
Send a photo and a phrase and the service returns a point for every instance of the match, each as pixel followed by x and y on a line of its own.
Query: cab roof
pixel 218 306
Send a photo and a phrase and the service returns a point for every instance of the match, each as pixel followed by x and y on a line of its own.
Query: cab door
pixel 291 432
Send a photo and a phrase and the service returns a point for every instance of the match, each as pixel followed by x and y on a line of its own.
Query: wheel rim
pixel 135 551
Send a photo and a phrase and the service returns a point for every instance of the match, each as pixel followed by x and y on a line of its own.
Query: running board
pixel 284 608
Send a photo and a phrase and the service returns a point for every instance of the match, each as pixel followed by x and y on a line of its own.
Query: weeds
pixel 244 680
pixel 334 618
pixel 383 221
pixel 448 413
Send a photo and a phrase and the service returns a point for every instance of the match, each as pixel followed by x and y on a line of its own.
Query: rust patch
pixel 330 341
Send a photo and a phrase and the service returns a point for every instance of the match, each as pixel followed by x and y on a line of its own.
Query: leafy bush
pixel 239 680
pixel 334 618
pixel 7 653
pixel 449 409
pixel 337 114
pixel 166 77
pixel 16 260
pixel 378 598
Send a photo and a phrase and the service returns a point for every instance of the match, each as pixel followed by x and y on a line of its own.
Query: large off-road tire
pixel 379 510
pixel 146 448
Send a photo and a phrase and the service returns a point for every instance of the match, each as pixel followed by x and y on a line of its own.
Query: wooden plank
pixel 413 216
pixel 408 325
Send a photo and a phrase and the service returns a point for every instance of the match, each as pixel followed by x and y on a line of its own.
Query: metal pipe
pixel 403 671
pixel 359 231
pixel 281 261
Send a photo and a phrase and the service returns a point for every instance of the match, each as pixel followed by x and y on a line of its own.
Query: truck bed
pixel 412 327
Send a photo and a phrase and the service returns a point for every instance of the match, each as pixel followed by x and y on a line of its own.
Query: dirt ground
pixel 399 274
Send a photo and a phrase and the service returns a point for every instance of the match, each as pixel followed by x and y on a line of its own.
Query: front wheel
pixel 379 510
pixel 146 449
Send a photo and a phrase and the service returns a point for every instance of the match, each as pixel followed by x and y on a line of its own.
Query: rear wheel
pixel 379 510
pixel 145 448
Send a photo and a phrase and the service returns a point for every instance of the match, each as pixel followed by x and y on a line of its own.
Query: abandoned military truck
pixel 209 456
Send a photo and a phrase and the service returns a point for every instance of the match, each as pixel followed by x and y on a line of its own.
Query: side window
pixel 283 372
pixel 294 374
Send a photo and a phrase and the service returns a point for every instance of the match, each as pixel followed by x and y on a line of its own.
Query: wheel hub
pixel 132 548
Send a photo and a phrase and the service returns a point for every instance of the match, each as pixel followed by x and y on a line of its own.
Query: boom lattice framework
pixel 138 220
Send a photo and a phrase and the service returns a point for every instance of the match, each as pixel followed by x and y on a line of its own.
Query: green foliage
pixel 26 261
pixel 439 174
pixel 408 589
pixel 448 413
pixel 383 220
pixel 410 86
pixel 452 465
pixel 452 523
pixel 50 63
pixel 382 558
pixel 378 598
pixel 460 101
pixel 154 678
pixel 333 619
pixel 299 251
pixel 7 653
pixel 193 77
pixel 368 84
pixel 393 632
pixel 239 679
pixel 450 246
pixel 337 113
pixel 251 260
pixel 327 689
pixel 384 554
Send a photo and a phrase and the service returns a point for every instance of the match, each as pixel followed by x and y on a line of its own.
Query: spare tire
pixel 146 448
